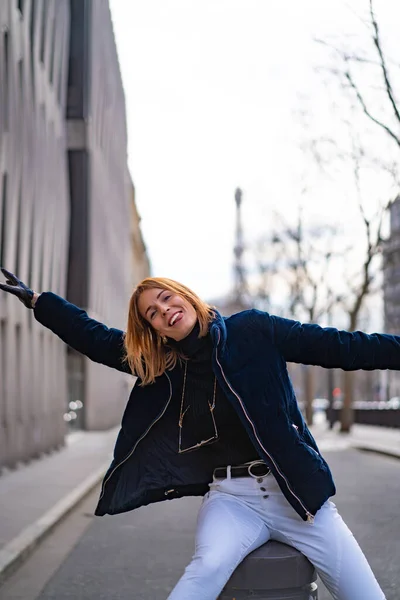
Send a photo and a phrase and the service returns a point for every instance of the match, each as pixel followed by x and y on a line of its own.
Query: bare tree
pixel 361 287
pixel 300 258
pixel 361 277
pixel 388 119
pixel 381 107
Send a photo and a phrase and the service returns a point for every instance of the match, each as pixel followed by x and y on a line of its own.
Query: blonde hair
pixel 146 353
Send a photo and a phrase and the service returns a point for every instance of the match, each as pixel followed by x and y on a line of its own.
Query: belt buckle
pixel 215 476
pixel 226 471
pixel 257 462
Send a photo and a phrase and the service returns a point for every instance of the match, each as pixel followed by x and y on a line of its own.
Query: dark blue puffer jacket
pixel 250 352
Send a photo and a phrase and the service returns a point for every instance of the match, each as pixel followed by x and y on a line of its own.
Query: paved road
pixel 140 555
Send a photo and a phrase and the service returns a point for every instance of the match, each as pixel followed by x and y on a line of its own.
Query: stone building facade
pixel 391 291
pixel 65 209
pixel 140 258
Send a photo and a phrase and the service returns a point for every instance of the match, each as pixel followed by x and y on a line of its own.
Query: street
pixel 140 555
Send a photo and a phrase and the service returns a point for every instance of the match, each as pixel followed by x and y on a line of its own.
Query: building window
pixel 17 382
pixel 6 79
pixel 3 219
pixel 21 78
pixel 395 216
pixel 43 32
pixel 32 25
pixel 32 52
pixel 31 245
pixel 53 49
pixel 19 225
pixel 3 366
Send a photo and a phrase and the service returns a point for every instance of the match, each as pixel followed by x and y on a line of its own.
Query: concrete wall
pixel 391 290
pixel 140 261
pixel 99 278
pixel 65 214
pixel 34 220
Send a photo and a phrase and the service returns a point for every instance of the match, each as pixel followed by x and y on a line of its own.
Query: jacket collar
pixel 218 330
pixel 147 402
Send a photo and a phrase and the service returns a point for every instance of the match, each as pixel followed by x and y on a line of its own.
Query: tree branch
pixel 353 85
pixel 378 46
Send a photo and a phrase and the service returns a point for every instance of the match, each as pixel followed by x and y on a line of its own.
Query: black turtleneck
pixel 233 446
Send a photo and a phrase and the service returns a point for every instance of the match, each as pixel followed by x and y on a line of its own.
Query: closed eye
pixel 154 312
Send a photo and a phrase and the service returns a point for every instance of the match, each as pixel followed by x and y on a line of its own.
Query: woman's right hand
pixel 14 286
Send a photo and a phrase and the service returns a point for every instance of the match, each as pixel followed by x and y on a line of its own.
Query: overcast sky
pixel 213 90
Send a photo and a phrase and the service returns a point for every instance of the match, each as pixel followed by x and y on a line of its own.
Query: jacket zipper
pixel 138 441
pixel 310 516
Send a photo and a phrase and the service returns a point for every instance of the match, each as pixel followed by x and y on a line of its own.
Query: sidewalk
pixel 384 440
pixel 34 498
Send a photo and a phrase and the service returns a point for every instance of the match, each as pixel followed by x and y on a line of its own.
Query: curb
pixel 19 548
pixel 377 449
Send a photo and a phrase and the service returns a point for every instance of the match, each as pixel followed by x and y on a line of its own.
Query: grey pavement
pixel 35 497
pixel 383 440
pixel 141 554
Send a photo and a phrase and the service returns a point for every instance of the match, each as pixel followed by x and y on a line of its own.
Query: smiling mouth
pixel 176 317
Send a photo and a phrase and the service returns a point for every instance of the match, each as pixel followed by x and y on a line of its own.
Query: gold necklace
pixel 183 412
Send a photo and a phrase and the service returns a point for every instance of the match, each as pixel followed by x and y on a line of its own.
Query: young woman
pixel 213 413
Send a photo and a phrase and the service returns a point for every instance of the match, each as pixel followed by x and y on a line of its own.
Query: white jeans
pixel 238 515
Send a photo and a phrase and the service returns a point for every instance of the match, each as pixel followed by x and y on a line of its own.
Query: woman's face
pixel 167 312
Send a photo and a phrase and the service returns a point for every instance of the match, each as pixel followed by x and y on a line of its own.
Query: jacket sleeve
pixel 329 347
pixel 73 325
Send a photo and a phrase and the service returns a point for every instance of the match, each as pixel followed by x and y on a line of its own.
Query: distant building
pixel 66 214
pixel 391 289
pixel 391 271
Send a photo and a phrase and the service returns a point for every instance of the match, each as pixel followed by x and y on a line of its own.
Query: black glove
pixel 16 287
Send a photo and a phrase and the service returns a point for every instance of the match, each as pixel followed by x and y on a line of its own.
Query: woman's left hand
pixel 14 286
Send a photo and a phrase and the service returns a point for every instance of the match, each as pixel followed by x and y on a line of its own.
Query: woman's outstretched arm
pixel 328 347
pixel 73 325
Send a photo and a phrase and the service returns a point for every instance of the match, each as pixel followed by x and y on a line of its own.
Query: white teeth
pixel 174 318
